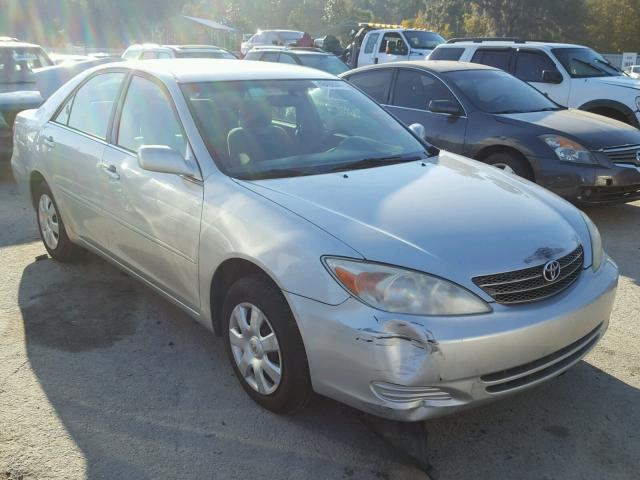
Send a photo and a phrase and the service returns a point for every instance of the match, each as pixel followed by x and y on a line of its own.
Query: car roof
pixel 13 43
pixel 438 66
pixel 506 43
pixel 202 70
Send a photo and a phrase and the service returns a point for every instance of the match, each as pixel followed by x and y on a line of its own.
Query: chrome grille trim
pixel 623 154
pixel 529 285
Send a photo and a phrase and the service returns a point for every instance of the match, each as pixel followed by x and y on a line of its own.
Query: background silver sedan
pixel 332 249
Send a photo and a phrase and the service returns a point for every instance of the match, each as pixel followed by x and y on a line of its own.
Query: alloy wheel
pixel 48 219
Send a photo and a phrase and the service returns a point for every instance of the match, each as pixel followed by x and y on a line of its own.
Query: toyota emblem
pixel 551 271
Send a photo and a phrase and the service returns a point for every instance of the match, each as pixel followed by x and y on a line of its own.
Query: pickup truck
pixel 18 88
pixel 382 45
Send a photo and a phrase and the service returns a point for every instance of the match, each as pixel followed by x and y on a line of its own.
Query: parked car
pixel 149 51
pixel 487 114
pixel 331 248
pixel 633 71
pixel 571 75
pixel 308 57
pixel 18 89
pixel 271 38
pixel 376 43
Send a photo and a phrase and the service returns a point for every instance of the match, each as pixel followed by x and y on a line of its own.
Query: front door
pixel 393 48
pixel 154 217
pixel 74 142
pixel 412 93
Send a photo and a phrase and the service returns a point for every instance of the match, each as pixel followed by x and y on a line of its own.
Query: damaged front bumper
pixel 412 368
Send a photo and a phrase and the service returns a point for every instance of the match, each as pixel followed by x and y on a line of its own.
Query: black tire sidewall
pixel 295 386
pixel 520 166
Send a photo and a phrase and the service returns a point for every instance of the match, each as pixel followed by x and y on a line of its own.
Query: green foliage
pixel 608 25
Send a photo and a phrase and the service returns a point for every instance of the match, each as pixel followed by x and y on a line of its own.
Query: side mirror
pixel 419 130
pixel 163 159
pixel 551 76
pixel 448 107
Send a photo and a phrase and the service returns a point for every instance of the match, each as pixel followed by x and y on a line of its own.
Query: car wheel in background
pixel 511 163
pixel 52 231
pixel 264 345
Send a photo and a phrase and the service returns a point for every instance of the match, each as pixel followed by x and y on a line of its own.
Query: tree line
pixel 607 25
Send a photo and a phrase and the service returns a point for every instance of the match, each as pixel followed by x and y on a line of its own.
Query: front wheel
pixel 52 231
pixel 511 163
pixel 264 345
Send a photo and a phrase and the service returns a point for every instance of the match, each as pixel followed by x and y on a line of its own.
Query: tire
pixel 57 243
pixel 252 350
pixel 511 162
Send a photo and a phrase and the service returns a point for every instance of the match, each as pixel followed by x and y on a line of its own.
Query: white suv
pixel 573 76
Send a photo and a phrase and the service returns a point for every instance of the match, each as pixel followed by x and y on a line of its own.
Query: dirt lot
pixel 100 378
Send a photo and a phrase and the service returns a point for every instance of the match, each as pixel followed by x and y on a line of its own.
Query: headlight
pixel 568 150
pixel 596 243
pixel 397 290
pixel 638 103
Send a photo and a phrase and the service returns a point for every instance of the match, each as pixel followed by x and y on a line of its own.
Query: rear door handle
pixel 49 142
pixel 111 170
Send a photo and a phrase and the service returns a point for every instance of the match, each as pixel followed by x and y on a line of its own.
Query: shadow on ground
pixel 145 392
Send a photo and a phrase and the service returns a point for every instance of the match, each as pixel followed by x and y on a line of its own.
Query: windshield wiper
pixel 505 112
pixel 274 173
pixel 374 162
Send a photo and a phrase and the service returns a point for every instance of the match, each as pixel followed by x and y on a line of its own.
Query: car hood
pixel 591 130
pixel 449 216
pixel 621 81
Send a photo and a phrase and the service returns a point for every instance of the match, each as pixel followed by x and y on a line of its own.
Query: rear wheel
pixel 511 163
pixel 264 345
pixel 52 231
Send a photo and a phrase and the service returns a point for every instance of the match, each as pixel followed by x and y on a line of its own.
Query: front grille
pixel 617 194
pixel 543 367
pixel 529 285
pixel 623 154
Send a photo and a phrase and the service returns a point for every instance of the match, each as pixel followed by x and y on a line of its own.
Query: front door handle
pixel 111 170
pixel 49 142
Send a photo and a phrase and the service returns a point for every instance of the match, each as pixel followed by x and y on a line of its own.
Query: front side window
pixel 371 42
pixel 416 90
pixel 393 44
pixel 336 127
pixel 93 104
pixel 148 118
pixel 149 55
pixel 530 65
pixel 375 83
pixel 498 58
pixel 494 91
pixel 585 63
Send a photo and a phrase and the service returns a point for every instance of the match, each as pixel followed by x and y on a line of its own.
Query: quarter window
pixel 493 57
pixel 414 89
pixel 530 65
pixel 148 118
pixel 375 83
pixel 93 104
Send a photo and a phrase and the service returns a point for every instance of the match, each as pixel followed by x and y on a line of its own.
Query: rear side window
pixel 252 56
pixel 371 42
pixel 148 118
pixel 149 55
pixel 270 57
pixel 498 58
pixel 91 109
pixel 447 54
pixel 286 58
pixel 374 83
pixel 530 65
pixel 416 90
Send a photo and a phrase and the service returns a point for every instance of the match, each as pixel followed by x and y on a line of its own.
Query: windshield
pixel 495 91
pixel 290 37
pixel 207 54
pixel 585 63
pixel 17 63
pixel 327 63
pixel 271 129
pixel 423 40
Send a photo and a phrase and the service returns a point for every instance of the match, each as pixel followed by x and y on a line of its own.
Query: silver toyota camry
pixel 331 247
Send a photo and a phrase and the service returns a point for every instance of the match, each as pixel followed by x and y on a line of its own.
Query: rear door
pixel 494 57
pixel 369 49
pixel 413 90
pixel 376 83
pixel 73 143
pixel 154 217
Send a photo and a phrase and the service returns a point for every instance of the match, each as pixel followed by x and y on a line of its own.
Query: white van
pixel 393 45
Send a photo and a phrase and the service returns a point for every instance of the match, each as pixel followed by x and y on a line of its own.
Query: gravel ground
pixel 101 378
